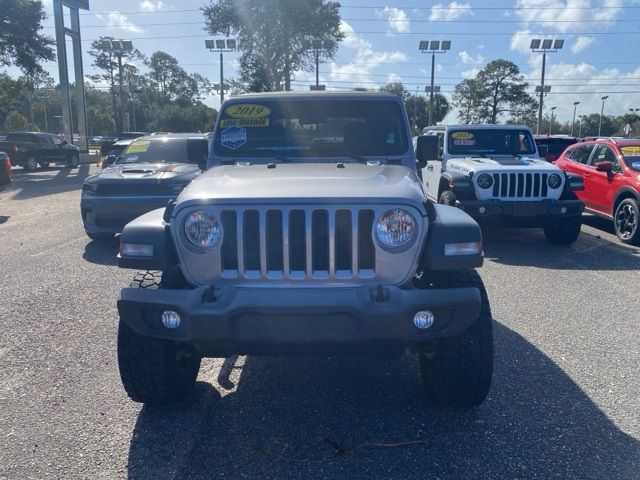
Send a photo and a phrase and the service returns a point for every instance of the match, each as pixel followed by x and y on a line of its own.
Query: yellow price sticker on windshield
pixel 462 135
pixel 633 151
pixel 247 110
pixel 138 147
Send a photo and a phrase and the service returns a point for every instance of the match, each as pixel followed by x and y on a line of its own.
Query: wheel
pixel 457 371
pixel 155 372
pixel 31 164
pixel 44 164
pixel 74 161
pixel 100 236
pixel 625 221
pixel 447 198
pixel 564 232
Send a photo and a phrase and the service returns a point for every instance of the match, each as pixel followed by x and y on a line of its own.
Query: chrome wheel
pixel 31 164
pixel 626 220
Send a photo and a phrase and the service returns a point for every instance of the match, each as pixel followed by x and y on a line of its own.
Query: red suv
pixel 610 169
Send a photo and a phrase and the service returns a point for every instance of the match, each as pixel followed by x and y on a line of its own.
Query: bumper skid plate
pixel 225 320
pixel 526 209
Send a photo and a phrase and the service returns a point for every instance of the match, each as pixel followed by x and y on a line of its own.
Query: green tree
pixel 16 122
pixel 21 43
pixel 590 124
pixel 498 89
pixel 271 36
pixel 418 106
pixel 398 88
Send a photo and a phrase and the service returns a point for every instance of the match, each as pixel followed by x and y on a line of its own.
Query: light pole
pixel 544 47
pixel 580 126
pixel 601 114
pixel 221 46
pixel 317 46
pixel 119 48
pixel 573 122
pixel 551 120
pixel 433 47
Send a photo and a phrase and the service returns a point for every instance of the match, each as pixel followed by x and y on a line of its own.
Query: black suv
pixel 30 149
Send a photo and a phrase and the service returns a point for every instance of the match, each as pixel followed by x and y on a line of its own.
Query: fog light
pixel 423 320
pixel 563 210
pixel 170 319
pixel 482 209
pixel 136 250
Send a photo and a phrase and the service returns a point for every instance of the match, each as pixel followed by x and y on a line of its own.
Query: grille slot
pixel 520 185
pixel 310 243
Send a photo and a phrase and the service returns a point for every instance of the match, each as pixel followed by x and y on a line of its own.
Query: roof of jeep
pixel 316 95
pixel 486 127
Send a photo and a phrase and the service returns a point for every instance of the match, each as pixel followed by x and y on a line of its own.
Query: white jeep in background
pixel 495 172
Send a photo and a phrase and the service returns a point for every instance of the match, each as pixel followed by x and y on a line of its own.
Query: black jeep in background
pixel 30 149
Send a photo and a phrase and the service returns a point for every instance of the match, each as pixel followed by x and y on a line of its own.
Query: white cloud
pixel 467 59
pixel 521 41
pixel 116 19
pixel 393 77
pixel 564 16
pixel 581 43
pixel 150 6
pixel 398 19
pixel 365 59
pixel 447 13
pixel 472 73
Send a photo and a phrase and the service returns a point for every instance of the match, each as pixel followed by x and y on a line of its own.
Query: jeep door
pixel 48 149
pixel 433 171
pixel 603 185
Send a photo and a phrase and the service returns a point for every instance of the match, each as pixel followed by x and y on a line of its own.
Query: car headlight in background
pixel 202 229
pixel 395 229
pixel 554 181
pixel 89 188
pixel 485 180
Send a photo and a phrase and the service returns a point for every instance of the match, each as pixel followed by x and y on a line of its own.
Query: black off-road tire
pixel 30 164
pixel 100 236
pixel 74 161
pixel 45 165
pixel 447 198
pixel 457 371
pixel 626 221
pixel 565 232
pixel 154 372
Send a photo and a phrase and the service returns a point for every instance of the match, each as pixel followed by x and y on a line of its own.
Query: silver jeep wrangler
pixel 310 233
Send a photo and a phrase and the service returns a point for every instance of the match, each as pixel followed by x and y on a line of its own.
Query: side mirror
pixel 543 150
pixel 427 148
pixel 64 141
pixel 604 167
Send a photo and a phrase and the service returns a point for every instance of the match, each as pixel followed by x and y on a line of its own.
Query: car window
pixel 631 155
pixel 605 154
pixel 582 153
pixel 56 140
pixel 157 150
pixel 20 137
pixel 491 141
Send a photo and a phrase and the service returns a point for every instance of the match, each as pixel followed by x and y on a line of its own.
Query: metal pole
pixel 121 91
pixel 544 63
pixel 58 16
pixel 601 113
pixel 46 123
pixel 415 109
pixel 580 128
pixel 317 69
pixel 221 77
pixel 79 78
pixel 573 122
pixel 433 68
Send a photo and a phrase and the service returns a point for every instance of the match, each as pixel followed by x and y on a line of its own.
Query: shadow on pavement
pixel 44 182
pixel 537 423
pixel 529 247
pixel 101 252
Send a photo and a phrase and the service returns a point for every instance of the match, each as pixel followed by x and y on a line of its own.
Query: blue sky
pixel 600 56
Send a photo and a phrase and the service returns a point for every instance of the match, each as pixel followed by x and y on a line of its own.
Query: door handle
pixel 430 168
pixel 587 174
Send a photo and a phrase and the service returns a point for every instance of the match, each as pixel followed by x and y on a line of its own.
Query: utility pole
pixel 433 47
pixel 221 45
pixel 551 120
pixel 573 122
pixel 601 114
pixel 580 126
pixel 544 47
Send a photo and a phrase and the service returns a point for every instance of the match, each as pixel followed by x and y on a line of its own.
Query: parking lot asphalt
pixel 564 403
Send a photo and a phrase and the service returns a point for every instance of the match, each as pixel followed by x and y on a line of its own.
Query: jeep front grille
pixel 520 185
pixel 298 243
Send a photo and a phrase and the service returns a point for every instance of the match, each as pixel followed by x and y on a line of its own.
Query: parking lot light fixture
pixel 601 114
pixel 544 46
pixel 221 46
pixel 573 122
pixel 317 46
pixel 433 47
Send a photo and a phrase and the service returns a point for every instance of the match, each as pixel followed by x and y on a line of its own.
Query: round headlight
pixel 485 180
pixel 395 228
pixel 554 181
pixel 202 229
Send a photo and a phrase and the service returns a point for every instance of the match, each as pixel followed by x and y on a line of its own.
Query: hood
pixel 148 171
pixel 498 164
pixel 323 181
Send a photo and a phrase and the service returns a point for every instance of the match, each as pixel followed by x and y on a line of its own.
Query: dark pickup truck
pixel 30 149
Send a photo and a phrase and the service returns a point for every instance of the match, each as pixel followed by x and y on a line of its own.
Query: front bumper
pixel 223 321
pixel 111 214
pixel 539 209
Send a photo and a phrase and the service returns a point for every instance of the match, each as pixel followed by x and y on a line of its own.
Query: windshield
pixel 166 150
pixel 631 155
pixel 491 142
pixel 303 128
